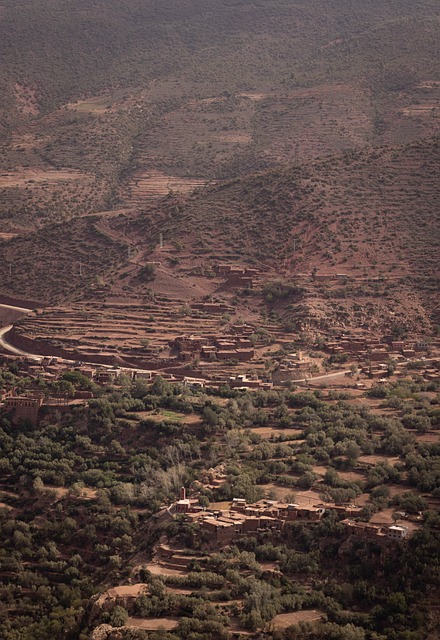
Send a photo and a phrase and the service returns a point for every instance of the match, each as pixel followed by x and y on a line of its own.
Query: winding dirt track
pixel 4 330
pixel 8 347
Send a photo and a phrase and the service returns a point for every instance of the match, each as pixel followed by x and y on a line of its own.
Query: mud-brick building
pixel 24 408
pixel 363 530
pixel 221 531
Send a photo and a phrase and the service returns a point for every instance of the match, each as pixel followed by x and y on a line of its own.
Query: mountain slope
pixel 371 216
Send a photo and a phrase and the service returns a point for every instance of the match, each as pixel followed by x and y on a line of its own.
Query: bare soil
pixel 284 620
pixel 374 459
pixel 26 177
pixel 152 624
pixel 273 432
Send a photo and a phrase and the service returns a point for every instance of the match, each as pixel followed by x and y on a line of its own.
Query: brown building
pixel 24 408
pixel 242 329
pixel 296 512
pixel 242 382
pixel 362 529
pixel 227 354
pixel 189 344
pixel 378 355
pixel 244 355
pixel 221 531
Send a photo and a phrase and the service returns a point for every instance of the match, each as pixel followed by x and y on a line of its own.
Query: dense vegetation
pixel 69 487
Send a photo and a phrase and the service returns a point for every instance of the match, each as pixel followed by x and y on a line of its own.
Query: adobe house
pixel 305 512
pixel 251 524
pixel 188 343
pixel 242 382
pixel 362 529
pixel 378 355
pixel 224 354
pixel 239 280
pixel 221 531
pixel 223 269
pixel 194 383
pixel 143 375
pixel 344 509
pixel 244 355
pixel 243 343
pixel 24 408
pixel 209 352
pixel 242 329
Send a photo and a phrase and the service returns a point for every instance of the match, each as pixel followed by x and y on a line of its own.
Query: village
pixel 221 527
pixel 357 362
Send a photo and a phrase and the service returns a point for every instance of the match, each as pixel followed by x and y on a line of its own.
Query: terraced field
pixel 151 185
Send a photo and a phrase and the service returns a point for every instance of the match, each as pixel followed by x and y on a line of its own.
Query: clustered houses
pixel 212 347
pixel 279 510
pixel 293 366
pixel 376 349
pixel 222 527
pixel 237 276
pixel 51 369
pixel 27 406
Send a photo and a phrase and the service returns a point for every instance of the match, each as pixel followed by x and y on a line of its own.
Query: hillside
pixel 63 49
pixel 57 262
pixel 369 215
pixel 106 105
pixel 348 243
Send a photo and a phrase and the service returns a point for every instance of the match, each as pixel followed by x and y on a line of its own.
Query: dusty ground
pixel 152 624
pixel 26 177
pixel 128 590
pixel 284 620
pixel 159 570
pixel 301 497
pixel 273 432
pixel 374 459
pixel 385 517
